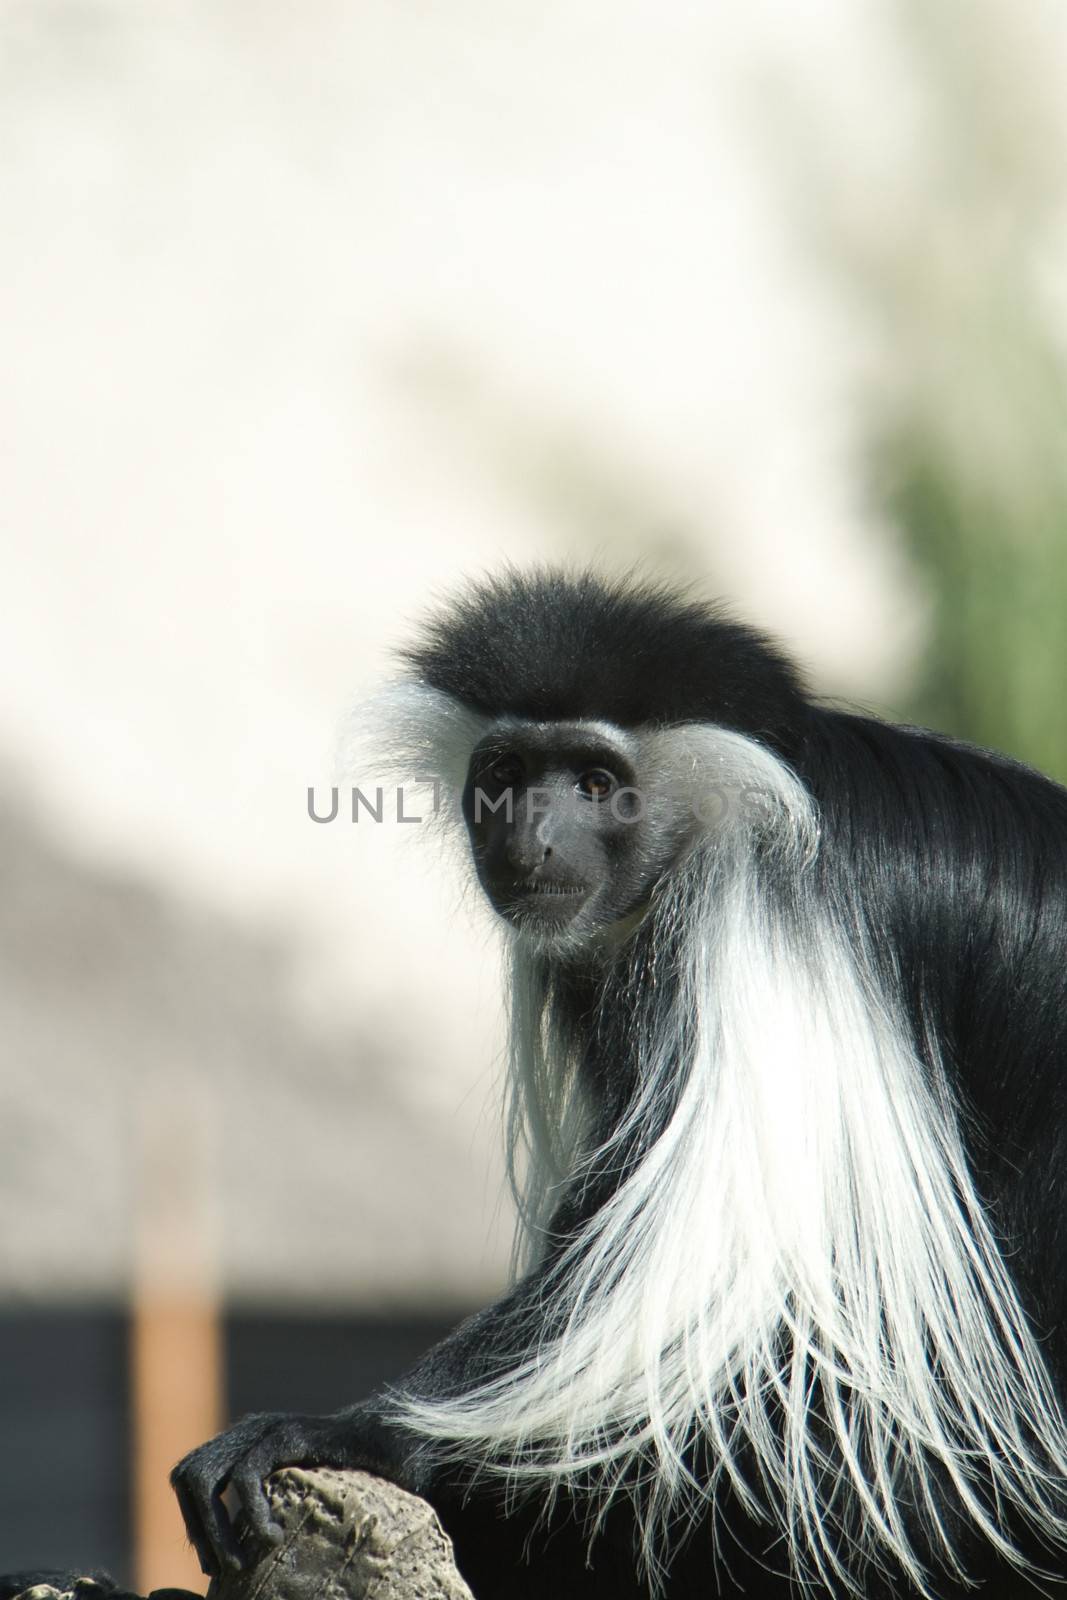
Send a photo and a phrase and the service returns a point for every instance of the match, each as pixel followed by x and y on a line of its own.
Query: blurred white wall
pixel 309 311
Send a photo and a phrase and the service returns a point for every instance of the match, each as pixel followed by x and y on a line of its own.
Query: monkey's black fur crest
pixel 547 645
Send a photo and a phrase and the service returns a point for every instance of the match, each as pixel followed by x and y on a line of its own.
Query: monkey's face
pixel 560 829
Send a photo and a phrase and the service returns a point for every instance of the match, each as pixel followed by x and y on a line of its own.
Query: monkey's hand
pixel 243 1457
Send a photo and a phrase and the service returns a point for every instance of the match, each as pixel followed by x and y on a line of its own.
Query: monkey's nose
pixel 526 855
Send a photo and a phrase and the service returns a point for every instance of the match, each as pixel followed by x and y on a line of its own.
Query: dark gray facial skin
pixel 565 841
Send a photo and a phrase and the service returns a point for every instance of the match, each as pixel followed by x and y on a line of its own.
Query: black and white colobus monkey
pixel 788 1054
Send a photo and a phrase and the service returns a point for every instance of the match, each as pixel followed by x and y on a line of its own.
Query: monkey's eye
pixel 507 772
pixel 596 784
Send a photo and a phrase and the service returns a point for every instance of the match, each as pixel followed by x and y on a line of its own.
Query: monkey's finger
pixel 204 1487
pixel 248 1483
pixel 220 1531
pixel 190 1510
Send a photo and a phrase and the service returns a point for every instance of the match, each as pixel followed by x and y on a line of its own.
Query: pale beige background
pixel 308 311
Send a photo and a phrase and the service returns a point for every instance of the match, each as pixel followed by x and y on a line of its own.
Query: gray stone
pixel 348 1536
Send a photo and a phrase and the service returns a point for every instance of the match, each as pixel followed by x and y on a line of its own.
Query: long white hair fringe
pixel 797 1275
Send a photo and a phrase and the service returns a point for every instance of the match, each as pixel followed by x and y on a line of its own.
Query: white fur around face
pixel 798 1270
pixel 406 731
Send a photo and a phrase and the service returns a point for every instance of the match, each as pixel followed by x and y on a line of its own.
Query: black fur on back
pixel 550 645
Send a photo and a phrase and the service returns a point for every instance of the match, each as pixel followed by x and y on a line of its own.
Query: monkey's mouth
pixel 541 887
pixel 539 897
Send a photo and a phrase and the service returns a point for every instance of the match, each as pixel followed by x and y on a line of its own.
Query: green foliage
pixel 981 498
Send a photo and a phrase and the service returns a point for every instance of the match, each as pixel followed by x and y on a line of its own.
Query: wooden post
pixel 176 1357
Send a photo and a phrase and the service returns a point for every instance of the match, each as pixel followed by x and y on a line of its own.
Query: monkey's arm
pixel 361 1436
